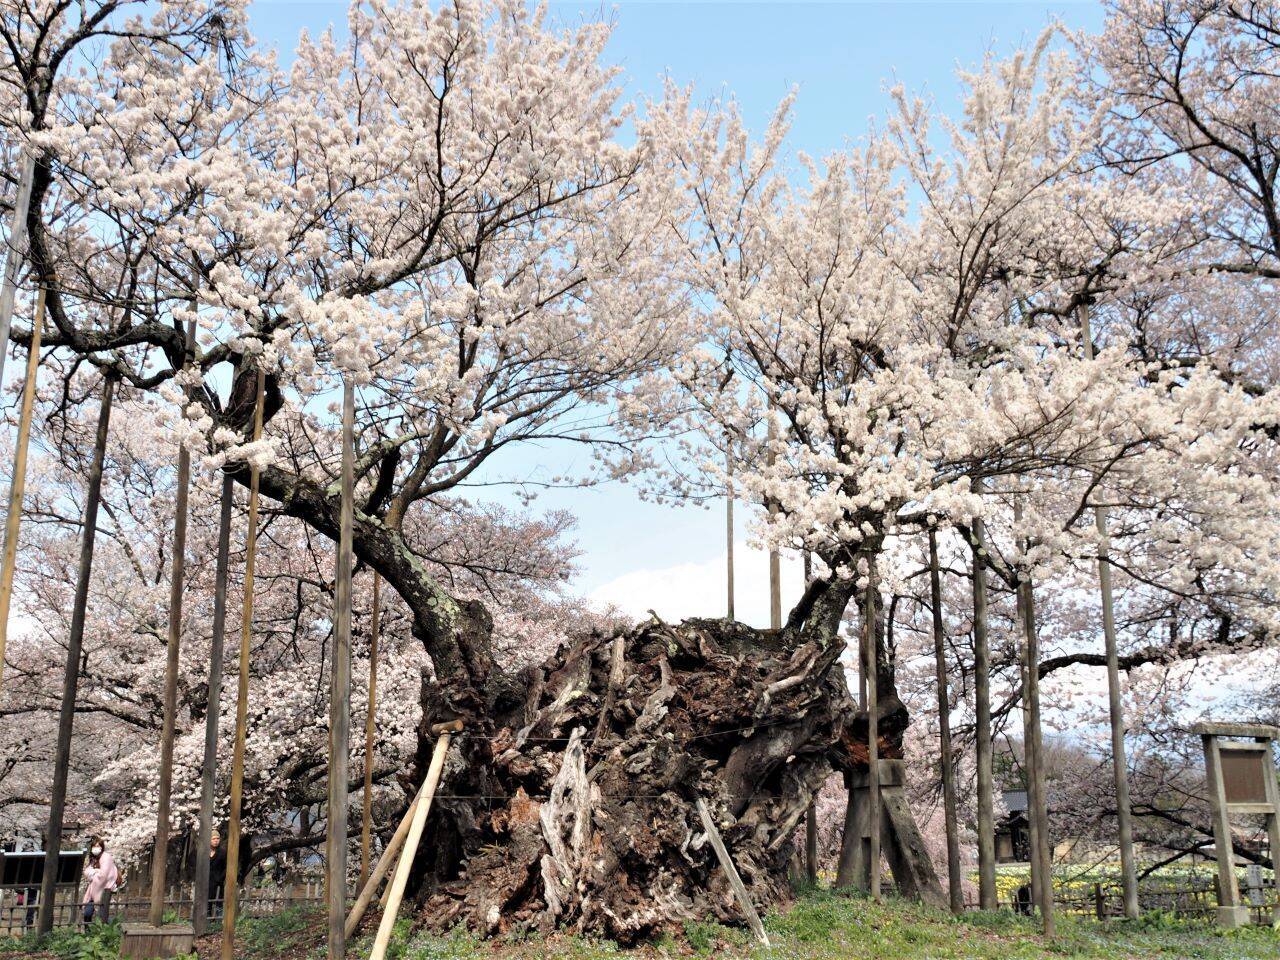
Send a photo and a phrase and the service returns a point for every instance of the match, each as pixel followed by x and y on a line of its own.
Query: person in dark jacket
pixel 217 874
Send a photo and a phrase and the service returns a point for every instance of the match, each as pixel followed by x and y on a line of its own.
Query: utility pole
pixel 71 673
pixel 340 691
pixel 1115 700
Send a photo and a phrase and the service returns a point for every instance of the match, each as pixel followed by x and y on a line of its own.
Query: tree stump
pixel 575 808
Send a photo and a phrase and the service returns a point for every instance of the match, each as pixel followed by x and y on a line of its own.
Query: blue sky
pixel 841 56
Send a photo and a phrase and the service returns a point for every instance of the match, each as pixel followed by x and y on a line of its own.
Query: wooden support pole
pixel 1028 757
pixel 160 851
pixel 16 252
pixel 212 717
pixel 811 815
pixel 419 821
pixel 982 725
pixel 370 733
pixel 1115 699
pixel 954 890
pixel 728 529
pixel 71 673
pixel 1038 800
pixel 385 862
pixel 340 691
pixel 873 735
pixel 730 871
pixel 18 481
pixel 231 888
pixel 811 843
pixel 1231 913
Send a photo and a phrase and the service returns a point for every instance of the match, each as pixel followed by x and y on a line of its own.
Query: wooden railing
pixel 18 915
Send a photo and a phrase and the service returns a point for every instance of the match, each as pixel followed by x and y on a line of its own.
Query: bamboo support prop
pixel 370 733
pixel 411 841
pixel 17 482
pixel 231 887
pixel 159 859
pixel 209 765
pixel 982 725
pixel 71 673
pixel 1115 700
pixel 955 892
pixel 873 739
pixel 340 692
pixel 16 252
pixel 735 881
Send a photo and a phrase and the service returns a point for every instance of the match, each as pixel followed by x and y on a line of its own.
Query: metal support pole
pixel 71 673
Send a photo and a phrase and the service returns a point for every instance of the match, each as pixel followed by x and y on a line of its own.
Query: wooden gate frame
pixel 1218 738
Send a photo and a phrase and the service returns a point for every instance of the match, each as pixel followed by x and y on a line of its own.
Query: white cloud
pixel 698 589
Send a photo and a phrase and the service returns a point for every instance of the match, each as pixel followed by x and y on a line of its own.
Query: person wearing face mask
pixel 103 879
pixel 217 875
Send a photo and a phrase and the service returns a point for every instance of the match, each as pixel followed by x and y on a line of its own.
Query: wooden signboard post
pixel 1241 778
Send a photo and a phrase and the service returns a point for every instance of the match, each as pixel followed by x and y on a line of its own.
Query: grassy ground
pixel 819 926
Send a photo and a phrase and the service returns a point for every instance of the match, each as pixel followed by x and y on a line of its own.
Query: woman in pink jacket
pixel 103 879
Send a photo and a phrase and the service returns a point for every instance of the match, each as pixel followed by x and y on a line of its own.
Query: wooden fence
pixel 18 913
pixel 1196 899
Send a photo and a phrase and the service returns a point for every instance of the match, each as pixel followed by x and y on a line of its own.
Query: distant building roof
pixel 1016 801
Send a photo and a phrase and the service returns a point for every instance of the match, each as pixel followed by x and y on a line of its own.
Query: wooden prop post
pixel 1115 701
pixel 982 725
pixel 873 741
pixel 1241 777
pixel 370 734
pixel 369 889
pixel 411 841
pixel 1038 800
pixel 730 871
pixel 160 855
pixel 209 766
pixel 954 890
pixel 728 529
pixel 71 673
pixel 17 482
pixel 16 252
pixel 231 887
pixel 340 692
